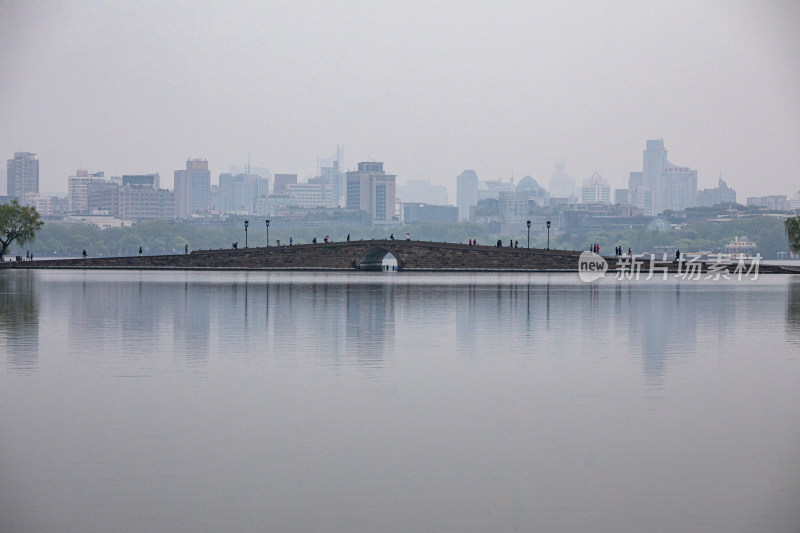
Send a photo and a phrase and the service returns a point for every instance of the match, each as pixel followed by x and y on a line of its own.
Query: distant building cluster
pixel 662 186
pixel 369 195
pixel 721 195
pixel 774 203
pixel 131 197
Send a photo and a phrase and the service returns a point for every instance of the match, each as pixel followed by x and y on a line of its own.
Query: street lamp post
pixel 246 223
pixel 548 234
pixel 529 234
pixel 267 232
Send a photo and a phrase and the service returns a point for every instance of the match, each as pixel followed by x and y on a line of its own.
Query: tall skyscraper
pixel 192 188
pixel 466 193
pixel 22 174
pixel 662 186
pixel 330 168
pixel 372 190
pixel 336 179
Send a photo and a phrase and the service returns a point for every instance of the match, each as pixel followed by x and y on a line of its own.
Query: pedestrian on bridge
pixel 408 236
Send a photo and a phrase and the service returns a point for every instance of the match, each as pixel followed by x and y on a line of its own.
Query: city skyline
pixel 506 90
pixel 553 189
pixel 661 187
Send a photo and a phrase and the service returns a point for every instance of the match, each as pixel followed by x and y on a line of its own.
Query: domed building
pixel 531 189
pixel 527 183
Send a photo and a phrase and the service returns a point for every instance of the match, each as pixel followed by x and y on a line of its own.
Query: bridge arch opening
pixel 378 259
pixel 389 263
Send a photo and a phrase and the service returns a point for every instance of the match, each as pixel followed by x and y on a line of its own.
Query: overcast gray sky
pixel 430 88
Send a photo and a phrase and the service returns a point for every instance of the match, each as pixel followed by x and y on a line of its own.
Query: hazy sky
pixel 430 88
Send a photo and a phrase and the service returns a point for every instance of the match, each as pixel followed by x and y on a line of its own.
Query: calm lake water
pixel 185 401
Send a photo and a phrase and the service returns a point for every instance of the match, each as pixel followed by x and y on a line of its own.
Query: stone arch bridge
pixel 364 255
pixel 352 255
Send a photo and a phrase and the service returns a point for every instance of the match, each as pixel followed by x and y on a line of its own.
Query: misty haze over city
pixel 506 89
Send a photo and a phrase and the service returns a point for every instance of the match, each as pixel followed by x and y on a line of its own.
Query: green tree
pixel 793 230
pixel 18 223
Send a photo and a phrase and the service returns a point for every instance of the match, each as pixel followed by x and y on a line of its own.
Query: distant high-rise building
pixel 103 196
pixel 145 203
pixel 662 186
pixel 372 190
pixel 721 195
pixel 330 168
pixel 335 179
pixel 43 204
pixel 22 174
pixel 776 202
pixel 282 181
pixel 238 194
pixel 315 193
pixel 595 190
pixel 192 188
pixel 78 189
pixel 514 206
pixel 561 185
pixel 466 193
